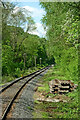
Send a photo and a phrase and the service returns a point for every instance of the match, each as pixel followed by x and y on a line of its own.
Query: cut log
pixel 61 86
pixel 64 86
pixel 64 91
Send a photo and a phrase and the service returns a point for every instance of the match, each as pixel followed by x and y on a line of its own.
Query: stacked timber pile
pixel 61 86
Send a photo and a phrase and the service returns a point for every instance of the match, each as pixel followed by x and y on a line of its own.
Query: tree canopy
pixel 18 45
pixel 62 23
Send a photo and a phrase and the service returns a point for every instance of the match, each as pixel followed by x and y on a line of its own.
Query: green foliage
pixel 62 23
pixel 7 59
pixel 13 50
pixel 17 72
pixel 54 110
pixel 16 42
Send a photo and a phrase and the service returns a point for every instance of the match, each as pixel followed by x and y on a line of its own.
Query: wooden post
pixel 24 60
pixel 35 60
pixel 32 61
pixel 40 61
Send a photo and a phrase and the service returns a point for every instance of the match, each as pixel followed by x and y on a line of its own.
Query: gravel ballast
pixel 25 105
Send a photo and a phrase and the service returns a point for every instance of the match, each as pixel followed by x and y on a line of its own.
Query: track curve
pixel 9 93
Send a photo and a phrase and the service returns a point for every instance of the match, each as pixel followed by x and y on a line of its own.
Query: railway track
pixel 9 93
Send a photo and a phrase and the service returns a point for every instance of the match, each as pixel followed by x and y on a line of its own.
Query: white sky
pixel 37 13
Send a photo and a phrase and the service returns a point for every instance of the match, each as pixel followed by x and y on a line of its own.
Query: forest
pixel 62 25
pixel 21 50
pixel 23 53
pixel 62 22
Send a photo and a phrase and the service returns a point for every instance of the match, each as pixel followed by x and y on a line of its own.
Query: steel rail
pixel 18 79
pixel 12 100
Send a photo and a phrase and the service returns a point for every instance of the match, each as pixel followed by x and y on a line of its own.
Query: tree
pixel 14 35
pixel 62 21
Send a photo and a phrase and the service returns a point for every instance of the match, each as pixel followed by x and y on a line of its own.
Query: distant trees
pixel 20 49
pixel 62 22
pixel 13 50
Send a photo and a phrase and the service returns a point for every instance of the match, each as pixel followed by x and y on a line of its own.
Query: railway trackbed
pixel 9 93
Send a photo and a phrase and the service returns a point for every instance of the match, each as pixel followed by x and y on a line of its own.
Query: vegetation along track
pixel 9 93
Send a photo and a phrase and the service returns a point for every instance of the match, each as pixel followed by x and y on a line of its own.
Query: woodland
pixel 62 22
pixel 21 50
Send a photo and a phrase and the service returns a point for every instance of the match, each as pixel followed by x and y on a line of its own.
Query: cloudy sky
pixel 37 13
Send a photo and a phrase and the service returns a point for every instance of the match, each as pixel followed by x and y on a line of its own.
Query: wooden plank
pixel 63 90
pixel 56 88
pixel 64 87
pixel 61 86
pixel 55 91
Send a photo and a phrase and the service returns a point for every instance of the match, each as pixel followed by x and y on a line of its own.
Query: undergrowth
pixel 17 74
pixel 56 109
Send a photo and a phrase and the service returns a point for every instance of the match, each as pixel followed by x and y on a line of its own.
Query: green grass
pixel 17 74
pixel 30 108
pixel 60 109
pixel 6 79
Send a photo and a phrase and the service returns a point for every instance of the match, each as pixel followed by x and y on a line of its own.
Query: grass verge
pixel 17 74
pixel 54 110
